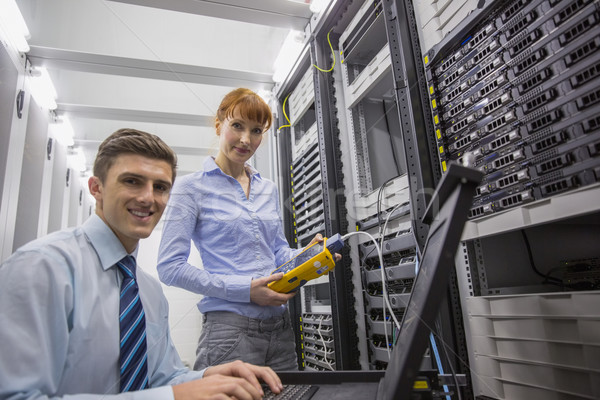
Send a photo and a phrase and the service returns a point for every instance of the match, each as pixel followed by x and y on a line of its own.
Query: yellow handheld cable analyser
pixel 312 262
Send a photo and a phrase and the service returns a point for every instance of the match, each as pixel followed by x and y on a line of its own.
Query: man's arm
pixel 36 316
pixel 235 379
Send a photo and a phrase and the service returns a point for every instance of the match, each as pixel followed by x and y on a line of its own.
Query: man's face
pixel 133 196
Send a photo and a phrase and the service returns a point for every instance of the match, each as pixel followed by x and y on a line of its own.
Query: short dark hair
pixel 132 141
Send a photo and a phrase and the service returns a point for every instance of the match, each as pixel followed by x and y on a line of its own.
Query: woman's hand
pixel 263 295
pixel 318 239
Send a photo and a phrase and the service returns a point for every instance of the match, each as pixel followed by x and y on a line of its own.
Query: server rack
pixel 514 86
pixel 380 185
pixel 417 131
pixel 324 309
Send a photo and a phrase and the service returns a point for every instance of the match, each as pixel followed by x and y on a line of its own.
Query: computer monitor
pixel 446 214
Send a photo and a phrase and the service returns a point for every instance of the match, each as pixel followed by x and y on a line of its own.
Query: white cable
pixel 382 237
pixel 385 296
pixel 382 234
pixel 324 346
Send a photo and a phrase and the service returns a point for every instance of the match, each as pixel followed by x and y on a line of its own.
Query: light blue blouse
pixel 238 239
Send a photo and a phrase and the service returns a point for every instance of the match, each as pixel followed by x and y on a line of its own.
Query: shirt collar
pixel 211 166
pixel 105 242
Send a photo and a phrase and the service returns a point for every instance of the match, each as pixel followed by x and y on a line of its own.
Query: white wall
pixel 184 318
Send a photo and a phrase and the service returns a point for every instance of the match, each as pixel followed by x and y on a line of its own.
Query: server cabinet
pixel 314 189
pixel 513 87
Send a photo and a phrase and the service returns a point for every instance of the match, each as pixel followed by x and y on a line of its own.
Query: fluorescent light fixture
pixel 76 159
pixel 265 95
pixel 316 6
pixel 42 88
pixel 13 23
pixel 63 131
pixel 289 52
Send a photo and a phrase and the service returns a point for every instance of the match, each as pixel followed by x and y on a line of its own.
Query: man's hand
pixel 250 372
pixel 235 379
pixel 263 295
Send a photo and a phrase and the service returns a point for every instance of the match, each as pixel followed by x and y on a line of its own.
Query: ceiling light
pixel 288 54
pixel 63 131
pixel 265 95
pixel 42 88
pixel 316 6
pixel 76 159
pixel 14 25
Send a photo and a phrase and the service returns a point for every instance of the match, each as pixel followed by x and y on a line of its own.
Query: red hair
pixel 249 104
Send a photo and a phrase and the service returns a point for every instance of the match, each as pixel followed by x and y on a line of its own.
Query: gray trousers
pixel 228 336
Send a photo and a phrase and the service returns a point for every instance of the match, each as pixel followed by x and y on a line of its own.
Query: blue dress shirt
pixel 238 239
pixel 59 320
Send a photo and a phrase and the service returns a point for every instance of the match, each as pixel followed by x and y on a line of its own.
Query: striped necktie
pixel 133 360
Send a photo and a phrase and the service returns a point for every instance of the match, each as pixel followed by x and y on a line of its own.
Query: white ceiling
pixel 162 67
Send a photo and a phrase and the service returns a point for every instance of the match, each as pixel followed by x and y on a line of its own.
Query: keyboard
pixel 291 392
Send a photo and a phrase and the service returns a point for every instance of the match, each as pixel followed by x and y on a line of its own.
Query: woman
pixel 232 215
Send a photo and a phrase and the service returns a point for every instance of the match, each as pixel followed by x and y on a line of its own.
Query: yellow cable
pixel 322 70
pixel 285 115
pixel 332 53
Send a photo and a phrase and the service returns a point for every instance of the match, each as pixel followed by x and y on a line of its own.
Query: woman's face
pixel 239 138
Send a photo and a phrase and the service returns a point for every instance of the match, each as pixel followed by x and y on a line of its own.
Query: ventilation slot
pixel 488 89
pixel 520 24
pixel 503 140
pixel 484 53
pixel 544 121
pixel 548 142
pixel 577 30
pixel 585 76
pixel 479 211
pixel 460 126
pixel 507 159
pixel 539 100
pixel 529 61
pixel 553 164
pixel 485 70
pixel 524 43
pixel 456 110
pixel 594 149
pixel 447 64
pixel 535 80
pixel 569 11
pixel 557 187
pixel 454 93
pixel 591 124
pixel 513 9
pixel 512 200
pixel 499 122
pixel 508 181
pixel 582 52
pixel 493 105
pixel 588 100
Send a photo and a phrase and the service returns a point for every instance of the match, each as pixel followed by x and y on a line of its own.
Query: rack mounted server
pixel 520 92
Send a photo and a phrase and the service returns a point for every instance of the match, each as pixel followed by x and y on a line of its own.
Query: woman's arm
pixel 173 268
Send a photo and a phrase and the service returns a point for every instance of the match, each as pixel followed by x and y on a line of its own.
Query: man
pixel 76 315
